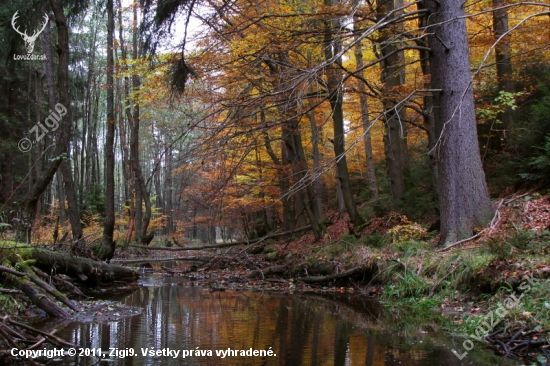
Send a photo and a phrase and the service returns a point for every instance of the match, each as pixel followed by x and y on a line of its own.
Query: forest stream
pixel 297 329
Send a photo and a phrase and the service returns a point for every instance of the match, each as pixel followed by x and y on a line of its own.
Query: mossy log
pixel 40 299
pixel 86 270
pixel 50 289
pixel 332 277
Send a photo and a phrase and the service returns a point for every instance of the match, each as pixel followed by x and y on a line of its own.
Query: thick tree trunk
pixel 464 199
pixel 107 248
pixel 30 201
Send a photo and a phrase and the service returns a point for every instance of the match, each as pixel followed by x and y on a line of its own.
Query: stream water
pixel 297 329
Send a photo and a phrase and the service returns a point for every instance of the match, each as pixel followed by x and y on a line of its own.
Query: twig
pixel 42 340
pixel 10 291
pixel 12 271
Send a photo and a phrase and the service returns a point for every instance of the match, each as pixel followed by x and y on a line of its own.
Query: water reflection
pixel 300 329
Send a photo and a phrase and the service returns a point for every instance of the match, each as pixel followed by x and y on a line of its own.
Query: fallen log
pixel 57 294
pixel 332 277
pixel 85 269
pixel 61 283
pixel 225 245
pixel 37 297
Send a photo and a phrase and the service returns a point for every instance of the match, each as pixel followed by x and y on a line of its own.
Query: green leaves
pixel 504 101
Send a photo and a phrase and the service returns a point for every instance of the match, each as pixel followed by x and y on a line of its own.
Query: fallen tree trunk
pixel 225 245
pixel 57 294
pixel 85 269
pixel 37 297
pixel 332 277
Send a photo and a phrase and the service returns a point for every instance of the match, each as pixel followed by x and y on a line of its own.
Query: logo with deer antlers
pixel 29 40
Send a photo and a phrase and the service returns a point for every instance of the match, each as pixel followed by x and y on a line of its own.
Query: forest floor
pixel 493 288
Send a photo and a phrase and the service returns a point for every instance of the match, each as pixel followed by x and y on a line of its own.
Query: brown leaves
pixel 536 214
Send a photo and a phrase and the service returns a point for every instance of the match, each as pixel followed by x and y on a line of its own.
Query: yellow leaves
pixel 407 231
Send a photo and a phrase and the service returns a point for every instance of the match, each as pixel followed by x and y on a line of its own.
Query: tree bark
pixel 504 65
pixel 107 248
pixel 335 91
pixel 428 108
pixel 50 289
pixel 142 195
pixel 38 297
pixel 86 270
pixel 288 211
pixel 30 201
pixel 367 141
pixel 317 181
pixel 393 76
pixel 65 167
pixel 464 199
pixel 169 211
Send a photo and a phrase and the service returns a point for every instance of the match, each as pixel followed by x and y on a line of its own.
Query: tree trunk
pixel 393 76
pixel 141 190
pixel 428 108
pixel 288 211
pixel 464 200
pixel 168 193
pixel 107 248
pixel 30 201
pixel 335 96
pixel 371 176
pixel 317 181
pixel 66 172
pixel 504 66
